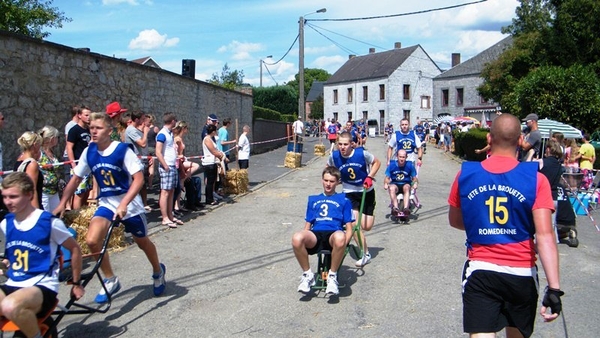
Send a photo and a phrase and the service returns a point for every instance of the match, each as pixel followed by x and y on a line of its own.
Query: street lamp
pixel 261 67
pixel 301 110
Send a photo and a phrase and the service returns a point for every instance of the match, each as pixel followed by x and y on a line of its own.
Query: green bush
pixel 266 114
pixel 466 143
pixel 288 118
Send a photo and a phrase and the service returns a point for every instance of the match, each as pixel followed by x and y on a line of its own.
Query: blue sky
pixel 242 32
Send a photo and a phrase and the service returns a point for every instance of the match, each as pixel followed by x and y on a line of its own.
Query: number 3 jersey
pixel 497 198
pixel 112 168
pixel 31 247
pixel 328 213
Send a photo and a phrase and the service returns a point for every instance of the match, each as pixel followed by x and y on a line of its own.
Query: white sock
pixel 308 272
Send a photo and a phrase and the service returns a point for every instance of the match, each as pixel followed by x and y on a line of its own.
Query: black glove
pixel 552 300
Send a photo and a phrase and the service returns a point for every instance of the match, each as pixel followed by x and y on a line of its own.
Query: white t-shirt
pixel 58 235
pixel 298 126
pixel 168 152
pixel 244 150
pixel 68 127
pixel 131 163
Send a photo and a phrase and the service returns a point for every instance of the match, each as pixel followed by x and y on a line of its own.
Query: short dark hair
pixel 226 121
pixel 210 128
pixel 333 171
pixel 168 118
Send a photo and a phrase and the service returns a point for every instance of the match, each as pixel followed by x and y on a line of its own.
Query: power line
pixel 401 14
pixel 271 75
pixel 286 53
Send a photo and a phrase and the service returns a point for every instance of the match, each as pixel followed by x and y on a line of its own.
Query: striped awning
pixel 547 127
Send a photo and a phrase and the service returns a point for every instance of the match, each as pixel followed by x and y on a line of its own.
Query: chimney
pixel 351 56
pixel 455 59
pixel 371 50
pixel 397 45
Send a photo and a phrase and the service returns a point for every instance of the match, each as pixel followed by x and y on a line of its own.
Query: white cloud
pixel 118 2
pixel 149 39
pixel 329 63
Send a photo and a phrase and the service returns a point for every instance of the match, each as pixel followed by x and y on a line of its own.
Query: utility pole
pixel 301 110
pixel 301 69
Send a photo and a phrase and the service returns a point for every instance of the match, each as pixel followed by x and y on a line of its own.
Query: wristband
pixel 78 283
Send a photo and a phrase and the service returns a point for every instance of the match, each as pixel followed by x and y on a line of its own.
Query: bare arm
pixel 134 189
pixel 33 171
pixel 70 153
pixel 374 167
pixel 159 155
pixel 67 194
pixel 455 218
pixel 76 265
pixel 211 147
pixel 348 232
pixel 548 253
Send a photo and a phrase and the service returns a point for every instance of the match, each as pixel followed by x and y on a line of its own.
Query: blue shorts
pixel 136 225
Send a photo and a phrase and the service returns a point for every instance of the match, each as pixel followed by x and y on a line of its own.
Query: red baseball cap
pixel 114 109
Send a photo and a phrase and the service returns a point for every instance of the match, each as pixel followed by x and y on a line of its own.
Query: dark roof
pixel 475 65
pixel 372 66
pixel 315 91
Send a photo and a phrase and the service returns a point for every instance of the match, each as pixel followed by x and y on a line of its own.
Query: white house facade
pixel 385 86
pixel 455 90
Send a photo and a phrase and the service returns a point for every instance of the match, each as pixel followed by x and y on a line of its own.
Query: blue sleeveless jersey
pixel 328 213
pixel 29 251
pixel 332 129
pixel 354 169
pixel 354 134
pixel 400 175
pixel 406 142
pixel 496 208
pixel 420 131
pixel 109 171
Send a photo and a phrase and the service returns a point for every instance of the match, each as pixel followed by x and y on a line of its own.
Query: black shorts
pixel 356 197
pixel 494 300
pixel 322 242
pixel 48 302
pixel 400 187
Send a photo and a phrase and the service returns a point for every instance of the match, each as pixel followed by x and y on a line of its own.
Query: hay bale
pixel 319 150
pixel 80 219
pixel 292 160
pixel 237 181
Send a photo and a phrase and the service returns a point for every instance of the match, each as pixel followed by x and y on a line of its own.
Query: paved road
pixel 231 272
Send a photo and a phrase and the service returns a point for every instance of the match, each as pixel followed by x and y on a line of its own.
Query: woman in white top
pixel 209 162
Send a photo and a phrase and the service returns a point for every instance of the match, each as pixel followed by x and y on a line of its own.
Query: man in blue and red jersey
pixel 502 204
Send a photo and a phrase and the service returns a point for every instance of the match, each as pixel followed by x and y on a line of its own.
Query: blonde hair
pixel 28 140
pixel 179 127
pixel 20 180
pixel 48 133
pixel 102 116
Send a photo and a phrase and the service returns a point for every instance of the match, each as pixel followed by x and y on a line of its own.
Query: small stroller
pixel 566 219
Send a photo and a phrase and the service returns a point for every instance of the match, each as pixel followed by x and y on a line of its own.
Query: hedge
pixel 466 143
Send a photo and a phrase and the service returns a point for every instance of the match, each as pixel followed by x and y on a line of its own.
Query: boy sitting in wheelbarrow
pixel 33 237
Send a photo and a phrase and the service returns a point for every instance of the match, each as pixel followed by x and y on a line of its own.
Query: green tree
pixel 556 44
pixel 30 17
pixel 279 98
pixel 310 75
pixel 228 78
pixel 317 108
pixel 570 95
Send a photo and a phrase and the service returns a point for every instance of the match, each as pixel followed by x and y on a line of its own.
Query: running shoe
pixel 159 281
pixel 366 259
pixel 332 285
pixel 112 285
pixel 306 282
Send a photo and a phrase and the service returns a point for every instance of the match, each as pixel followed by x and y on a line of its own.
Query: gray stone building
pixel 385 86
pixel 455 90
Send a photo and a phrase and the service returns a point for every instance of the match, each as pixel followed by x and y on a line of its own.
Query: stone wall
pixel 41 81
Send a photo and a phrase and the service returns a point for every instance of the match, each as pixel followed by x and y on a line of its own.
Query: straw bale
pixel 80 219
pixel 319 149
pixel 237 181
pixel 293 160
